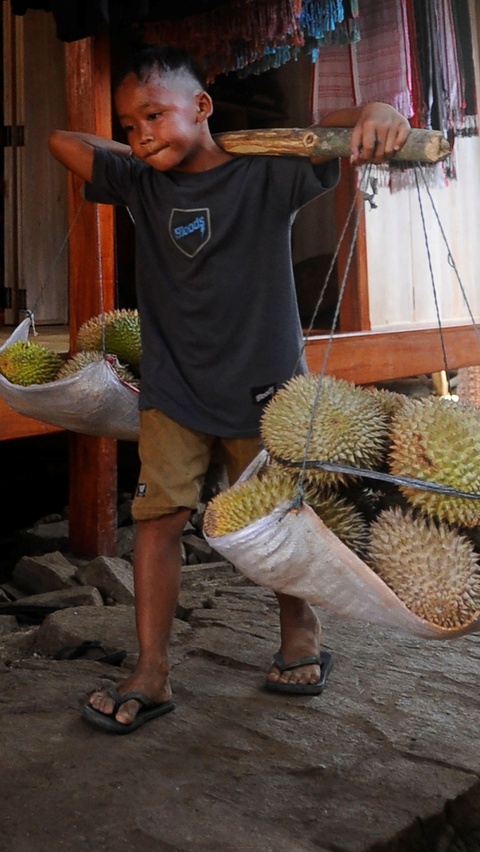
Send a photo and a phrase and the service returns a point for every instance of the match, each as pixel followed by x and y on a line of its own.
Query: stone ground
pixel 387 759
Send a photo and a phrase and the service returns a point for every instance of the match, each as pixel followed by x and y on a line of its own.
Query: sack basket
pixel 293 552
pixel 94 401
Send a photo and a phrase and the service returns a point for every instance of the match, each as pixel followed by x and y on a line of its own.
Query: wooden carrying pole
pixel 422 146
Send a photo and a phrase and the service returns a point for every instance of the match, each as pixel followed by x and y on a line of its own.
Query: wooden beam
pixel 355 309
pixel 382 356
pixel 93 461
pixel 14 425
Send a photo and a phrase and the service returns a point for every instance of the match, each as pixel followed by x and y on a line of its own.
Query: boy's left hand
pixel 380 131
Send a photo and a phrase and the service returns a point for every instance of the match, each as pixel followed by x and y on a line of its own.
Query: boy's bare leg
pixel 301 634
pixel 157 583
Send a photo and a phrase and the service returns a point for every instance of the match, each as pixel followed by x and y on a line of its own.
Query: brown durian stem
pixel 422 146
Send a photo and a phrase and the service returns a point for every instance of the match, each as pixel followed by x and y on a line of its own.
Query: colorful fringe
pixel 251 36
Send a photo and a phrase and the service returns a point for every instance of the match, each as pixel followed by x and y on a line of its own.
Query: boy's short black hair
pixel 163 59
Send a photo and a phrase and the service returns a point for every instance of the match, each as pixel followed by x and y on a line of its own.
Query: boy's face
pixel 163 118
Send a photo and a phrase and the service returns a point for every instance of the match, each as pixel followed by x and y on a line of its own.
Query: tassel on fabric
pixel 254 35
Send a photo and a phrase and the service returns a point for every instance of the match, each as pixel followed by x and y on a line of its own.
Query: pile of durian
pixel 28 363
pixel 425 546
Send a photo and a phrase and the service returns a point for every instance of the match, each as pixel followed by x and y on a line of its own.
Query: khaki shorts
pixel 174 463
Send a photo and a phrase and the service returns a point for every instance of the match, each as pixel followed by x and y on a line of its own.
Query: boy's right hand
pixel 76 150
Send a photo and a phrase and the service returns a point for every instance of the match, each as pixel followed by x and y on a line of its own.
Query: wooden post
pixel 93 461
pixel 355 309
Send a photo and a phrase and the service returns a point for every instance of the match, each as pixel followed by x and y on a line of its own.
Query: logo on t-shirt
pixel 263 393
pixel 190 229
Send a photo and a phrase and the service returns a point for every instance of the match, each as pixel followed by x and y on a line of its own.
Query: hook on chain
pixel 369 196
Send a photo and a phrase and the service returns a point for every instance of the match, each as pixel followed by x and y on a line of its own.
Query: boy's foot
pixel 300 638
pixel 153 683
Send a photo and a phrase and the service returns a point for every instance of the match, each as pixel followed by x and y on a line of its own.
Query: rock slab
pixel 113 626
pixel 111 575
pixel 45 538
pixel 47 573
pixel 77 596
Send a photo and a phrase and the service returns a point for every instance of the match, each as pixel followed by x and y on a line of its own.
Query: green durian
pixel 243 504
pixel 84 359
pixel 122 335
pixel 431 567
pixel 439 440
pixel 350 425
pixel 246 502
pixel 342 518
pixel 390 402
pixel 25 363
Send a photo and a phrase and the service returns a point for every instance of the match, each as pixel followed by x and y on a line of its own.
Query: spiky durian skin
pixel 390 402
pixel 25 363
pixel 438 440
pixel 246 502
pixel 342 518
pixel 430 567
pixel 349 425
pixel 468 387
pixel 84 359
pixel 122 335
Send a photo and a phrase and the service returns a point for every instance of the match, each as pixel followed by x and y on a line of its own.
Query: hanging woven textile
pixel 415 55
pixel 376 68
pixel 257 34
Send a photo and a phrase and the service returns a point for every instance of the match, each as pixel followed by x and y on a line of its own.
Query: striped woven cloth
pixel 376 68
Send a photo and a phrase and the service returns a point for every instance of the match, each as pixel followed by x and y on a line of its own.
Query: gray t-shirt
pixel 219 317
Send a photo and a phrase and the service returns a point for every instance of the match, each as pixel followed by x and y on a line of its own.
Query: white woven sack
pixel 94 401
pixel 295 553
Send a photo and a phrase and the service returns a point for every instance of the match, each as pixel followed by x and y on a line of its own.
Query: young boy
pixel 220 328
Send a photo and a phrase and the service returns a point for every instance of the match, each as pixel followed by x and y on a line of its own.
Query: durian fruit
pixel 439 440
pixel 84 359
pixel 468 386
pixel 391 402
pixel 350 425
pixel 248 501
pixel 25 363
pixel 258 496
pixel 342 518
pixel 431 567
pixel 122 335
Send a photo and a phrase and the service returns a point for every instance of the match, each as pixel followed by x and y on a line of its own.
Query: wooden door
pixel 35 185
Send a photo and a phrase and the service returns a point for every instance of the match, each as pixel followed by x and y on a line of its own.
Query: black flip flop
pixel 91 649
pixel 149 710
pixel 324 660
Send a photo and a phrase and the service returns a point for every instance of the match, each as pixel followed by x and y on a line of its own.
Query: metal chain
pixel 300 485
pixel 100 278
pixel 48 277
pixel 326 283
pixel 432 278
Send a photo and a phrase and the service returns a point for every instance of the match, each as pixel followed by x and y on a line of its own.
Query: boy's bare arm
pixel 76 150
